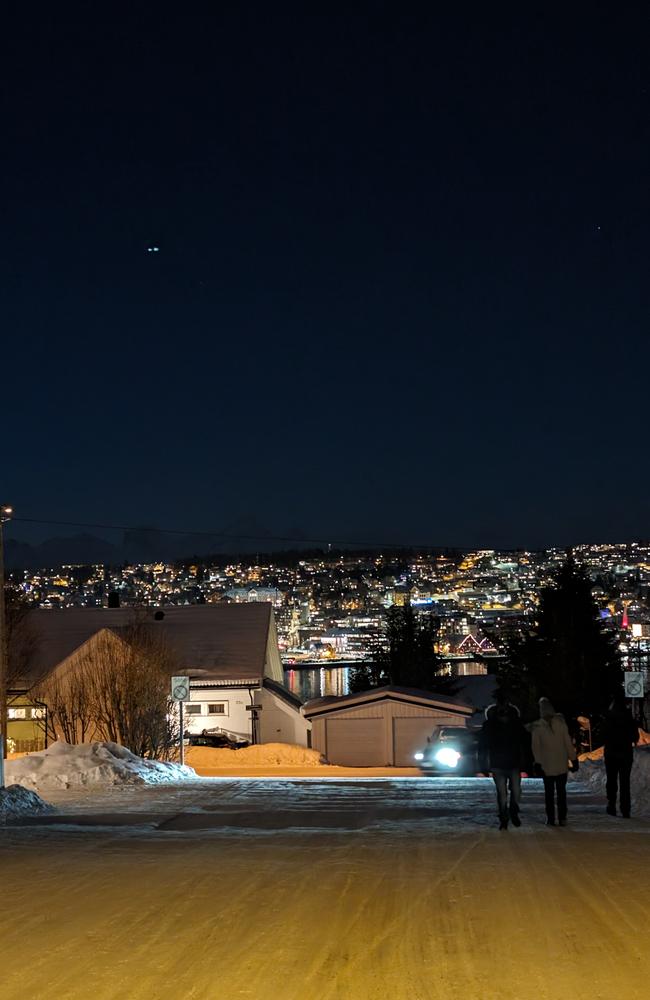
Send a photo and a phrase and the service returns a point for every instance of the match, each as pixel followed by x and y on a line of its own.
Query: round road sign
pixel 180 688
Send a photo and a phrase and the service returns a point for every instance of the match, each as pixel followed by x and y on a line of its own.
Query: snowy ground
pixel 319 889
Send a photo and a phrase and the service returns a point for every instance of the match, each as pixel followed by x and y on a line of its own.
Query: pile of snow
pixel 63 765
pixel 261 755
pixel 597 754
pixel 16 801
pixel 592 772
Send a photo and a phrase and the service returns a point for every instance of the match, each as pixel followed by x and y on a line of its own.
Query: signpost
pixel 5 514
pixel 255 716
pixel 181 694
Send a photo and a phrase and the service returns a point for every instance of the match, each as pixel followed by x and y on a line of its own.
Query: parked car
pixel 451 750
pixel 219 740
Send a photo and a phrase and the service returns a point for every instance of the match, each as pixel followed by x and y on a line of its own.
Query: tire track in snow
pixel 392 924
pixel 567 871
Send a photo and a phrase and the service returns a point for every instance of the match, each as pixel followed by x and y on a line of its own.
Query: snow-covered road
pixel 328 889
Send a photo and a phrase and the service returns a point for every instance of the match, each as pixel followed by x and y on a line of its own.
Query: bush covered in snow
pixel 16 801
pixel 592 772
pixel 64 765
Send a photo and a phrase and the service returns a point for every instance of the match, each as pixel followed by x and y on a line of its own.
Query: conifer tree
pixel 409 659
pixel 567 657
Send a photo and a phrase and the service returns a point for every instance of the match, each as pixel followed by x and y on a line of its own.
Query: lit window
pixel 16 713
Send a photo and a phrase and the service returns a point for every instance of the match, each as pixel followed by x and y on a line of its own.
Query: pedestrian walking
pixel 503 744
pixel 552 751
pixel 621 735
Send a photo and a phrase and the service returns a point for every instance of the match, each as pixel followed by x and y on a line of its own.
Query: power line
pixel 306 541
pixel 224 535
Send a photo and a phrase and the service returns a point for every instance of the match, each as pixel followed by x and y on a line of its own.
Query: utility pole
pixel 5 515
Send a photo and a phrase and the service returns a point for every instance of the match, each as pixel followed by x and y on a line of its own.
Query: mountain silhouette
pixel 243 536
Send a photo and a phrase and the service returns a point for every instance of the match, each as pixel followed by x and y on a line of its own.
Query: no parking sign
pixel 633 681
pixel 181 688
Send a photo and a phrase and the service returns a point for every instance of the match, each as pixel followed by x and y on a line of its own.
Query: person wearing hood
pixel 502 752
pixel 553 749
pixel 621 734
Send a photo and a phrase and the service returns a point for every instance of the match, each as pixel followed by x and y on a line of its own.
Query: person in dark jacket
pixel 502 752
pixel 621 734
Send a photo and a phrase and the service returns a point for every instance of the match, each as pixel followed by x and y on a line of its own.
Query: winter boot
pixel 514 815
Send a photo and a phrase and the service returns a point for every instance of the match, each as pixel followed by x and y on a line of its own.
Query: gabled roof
pixel 219 641
pixel 320 706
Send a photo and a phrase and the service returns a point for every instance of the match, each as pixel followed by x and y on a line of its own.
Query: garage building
pixel 385 726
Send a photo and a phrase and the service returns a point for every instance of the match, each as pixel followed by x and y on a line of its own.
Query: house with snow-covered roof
pixel 229 651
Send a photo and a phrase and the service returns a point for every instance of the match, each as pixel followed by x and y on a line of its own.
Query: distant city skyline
pixel 330 609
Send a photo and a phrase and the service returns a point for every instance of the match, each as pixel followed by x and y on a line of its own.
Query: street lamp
pixel 5 515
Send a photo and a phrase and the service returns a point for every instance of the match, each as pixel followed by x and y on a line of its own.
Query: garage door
pixel 410 735
pixel 356 742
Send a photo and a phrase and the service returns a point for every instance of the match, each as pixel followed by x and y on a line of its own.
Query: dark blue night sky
pixel 402 286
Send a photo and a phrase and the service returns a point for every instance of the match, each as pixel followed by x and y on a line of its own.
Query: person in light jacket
pixel 552 751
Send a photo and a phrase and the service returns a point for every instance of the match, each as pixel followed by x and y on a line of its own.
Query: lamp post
pixel 5 515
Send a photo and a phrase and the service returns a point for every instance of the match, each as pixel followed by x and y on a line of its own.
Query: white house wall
pixel 236 719
pixel 279 721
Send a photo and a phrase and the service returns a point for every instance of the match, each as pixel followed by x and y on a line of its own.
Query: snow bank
pixel 592 773
pixel 597 754
pixel 63 765
pixel 16 801
pixel 261 755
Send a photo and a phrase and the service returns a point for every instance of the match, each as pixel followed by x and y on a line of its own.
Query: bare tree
pixel 21 637
pixel 70 710
pixel 130 691
pixel 116 688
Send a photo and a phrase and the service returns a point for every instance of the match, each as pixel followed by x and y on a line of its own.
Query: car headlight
pixel 448 757
pixel 418 756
